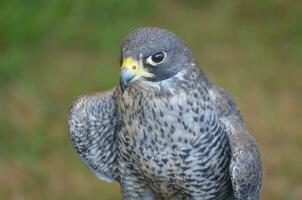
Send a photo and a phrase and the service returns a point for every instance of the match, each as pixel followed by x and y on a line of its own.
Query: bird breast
pixel 170 138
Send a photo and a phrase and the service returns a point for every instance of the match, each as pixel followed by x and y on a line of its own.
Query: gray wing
pixel 92 128
pixel 245 166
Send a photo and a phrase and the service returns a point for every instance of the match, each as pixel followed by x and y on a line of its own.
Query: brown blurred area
pixel 53 51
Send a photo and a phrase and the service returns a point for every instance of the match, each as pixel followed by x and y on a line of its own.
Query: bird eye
pixel 156 59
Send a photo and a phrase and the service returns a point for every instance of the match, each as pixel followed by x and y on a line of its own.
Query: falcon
pixel 166 131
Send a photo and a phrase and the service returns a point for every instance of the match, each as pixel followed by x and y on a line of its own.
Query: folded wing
pixel 245 166
pixel 92 127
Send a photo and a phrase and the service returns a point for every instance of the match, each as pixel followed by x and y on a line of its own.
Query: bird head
pixel 152 55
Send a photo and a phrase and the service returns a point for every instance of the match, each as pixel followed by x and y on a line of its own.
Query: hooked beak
pixel 131 69
pixel 125 78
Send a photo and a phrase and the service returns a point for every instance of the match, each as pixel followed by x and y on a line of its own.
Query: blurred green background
pixel 53 51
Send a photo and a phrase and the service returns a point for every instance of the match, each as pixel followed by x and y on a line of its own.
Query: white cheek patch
pixel 167 84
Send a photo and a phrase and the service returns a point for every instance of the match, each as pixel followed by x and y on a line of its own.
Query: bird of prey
pixel 166 131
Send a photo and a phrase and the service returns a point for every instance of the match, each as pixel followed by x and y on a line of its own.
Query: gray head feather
pixel 144 42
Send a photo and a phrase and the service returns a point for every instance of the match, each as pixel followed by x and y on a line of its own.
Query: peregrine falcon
pixel 166 131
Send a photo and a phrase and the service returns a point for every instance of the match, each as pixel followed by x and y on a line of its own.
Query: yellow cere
pixel 135 67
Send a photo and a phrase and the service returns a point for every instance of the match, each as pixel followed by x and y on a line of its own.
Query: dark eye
pixel 156 59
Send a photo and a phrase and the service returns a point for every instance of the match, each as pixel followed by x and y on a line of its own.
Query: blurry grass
pixel 53 51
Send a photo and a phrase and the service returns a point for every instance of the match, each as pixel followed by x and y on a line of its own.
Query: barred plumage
pixel 172 135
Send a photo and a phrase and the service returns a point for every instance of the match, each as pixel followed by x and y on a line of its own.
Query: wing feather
pixel 245 166
pixel 92 128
